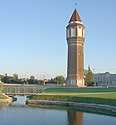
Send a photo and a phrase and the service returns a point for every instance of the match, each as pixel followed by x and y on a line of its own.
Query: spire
pixel 75 17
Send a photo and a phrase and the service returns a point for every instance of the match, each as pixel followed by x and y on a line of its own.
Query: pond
pixel 20 114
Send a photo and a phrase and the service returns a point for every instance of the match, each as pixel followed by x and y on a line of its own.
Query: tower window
pixel 73 31
pixel 68 32
pixel 79 32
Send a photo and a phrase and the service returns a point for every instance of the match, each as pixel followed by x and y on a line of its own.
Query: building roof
pixel 75 17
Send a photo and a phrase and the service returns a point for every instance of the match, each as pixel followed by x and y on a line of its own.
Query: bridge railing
pixel 23 89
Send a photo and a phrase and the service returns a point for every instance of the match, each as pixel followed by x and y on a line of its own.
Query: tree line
pixel 14 79
pixel 89 79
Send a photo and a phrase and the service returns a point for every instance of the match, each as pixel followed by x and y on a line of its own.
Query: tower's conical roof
pixel 75 17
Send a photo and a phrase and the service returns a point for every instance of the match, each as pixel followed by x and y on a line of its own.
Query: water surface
pixel 20 114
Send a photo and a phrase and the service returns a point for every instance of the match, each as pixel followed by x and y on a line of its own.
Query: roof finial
pixel 75 5
pixel 75 2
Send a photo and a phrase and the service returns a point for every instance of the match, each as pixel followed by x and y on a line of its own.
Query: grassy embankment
pixel 2 96
pixel 105 96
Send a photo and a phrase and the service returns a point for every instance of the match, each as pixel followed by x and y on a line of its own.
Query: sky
pixel 33 36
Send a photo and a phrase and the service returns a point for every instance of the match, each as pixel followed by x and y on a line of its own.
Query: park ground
pixel 105 96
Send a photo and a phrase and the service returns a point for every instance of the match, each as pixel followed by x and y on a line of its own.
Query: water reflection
pixel 3 105
pixel 20 101
pixel 20 114
pixel 75 118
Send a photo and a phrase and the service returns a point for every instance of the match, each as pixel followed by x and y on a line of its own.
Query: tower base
pixel 77 83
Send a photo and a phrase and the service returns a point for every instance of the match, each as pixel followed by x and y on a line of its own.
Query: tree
pixel 89 77
pixel 22 81
pixel 60 79
pixel 32 80
pixel 15 76
pixel 15 79
pixel 5 78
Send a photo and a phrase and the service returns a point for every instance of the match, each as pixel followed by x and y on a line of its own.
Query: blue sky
pixel 33 41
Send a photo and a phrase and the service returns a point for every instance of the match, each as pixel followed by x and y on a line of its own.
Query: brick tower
pixel 75 40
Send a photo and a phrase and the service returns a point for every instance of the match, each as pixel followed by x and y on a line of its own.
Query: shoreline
pixel 6 99
pixel 96 108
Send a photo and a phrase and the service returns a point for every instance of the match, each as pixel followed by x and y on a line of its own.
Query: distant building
pixel 105 79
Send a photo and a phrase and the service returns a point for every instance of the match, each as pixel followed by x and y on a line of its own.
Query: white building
pixel 105 79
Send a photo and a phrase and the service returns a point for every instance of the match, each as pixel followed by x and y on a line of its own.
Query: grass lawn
pixel 80 90
pixel 106 96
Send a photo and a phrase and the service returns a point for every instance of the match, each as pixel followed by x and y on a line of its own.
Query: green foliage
pixel 32 80
pixel 58 80
pixel 79 90
pixel 89 78
pixel 15 76
pixel 5 78
pixel 95 100
pixel 15 80
pixel 22 81
pixel 82 95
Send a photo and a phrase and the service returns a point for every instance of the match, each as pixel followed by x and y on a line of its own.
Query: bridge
pixel 23 89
